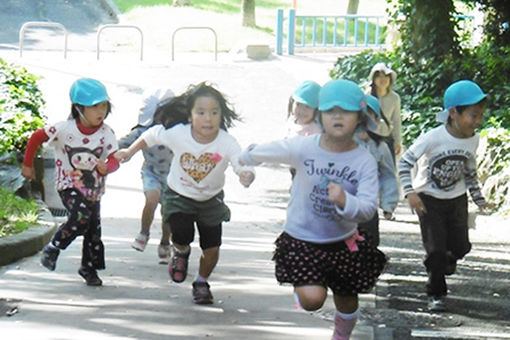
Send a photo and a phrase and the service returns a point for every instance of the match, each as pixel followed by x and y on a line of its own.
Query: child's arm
pixel 387 179
pixel 131 137
pixel 273 152
pixel 405 165
pixel 362 205
pixel 471 178
pixel 106 167
pixel 125 155
pixel 37 138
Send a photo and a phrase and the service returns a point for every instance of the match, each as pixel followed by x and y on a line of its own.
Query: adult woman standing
pixel 382 79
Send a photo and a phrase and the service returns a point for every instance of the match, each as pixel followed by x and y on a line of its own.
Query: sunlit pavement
pixel 138 299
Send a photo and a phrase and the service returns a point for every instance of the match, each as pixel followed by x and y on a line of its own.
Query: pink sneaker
pixel 178 268
pixel 164 253
pixel 140 242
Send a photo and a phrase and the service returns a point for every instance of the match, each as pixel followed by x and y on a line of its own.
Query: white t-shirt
pixel 446 165
pixel 76 156
pixel 197 170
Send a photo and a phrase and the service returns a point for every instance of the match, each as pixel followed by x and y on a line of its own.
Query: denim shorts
pixel 152 181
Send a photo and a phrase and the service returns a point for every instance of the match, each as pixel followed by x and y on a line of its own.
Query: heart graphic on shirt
pixel 199 168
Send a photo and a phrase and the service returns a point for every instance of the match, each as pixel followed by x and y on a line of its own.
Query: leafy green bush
pixel 20 107
pixel 421 89
pixel 16 214
pixel 494 167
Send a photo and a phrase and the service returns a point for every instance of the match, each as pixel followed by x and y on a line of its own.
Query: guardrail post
pixel 291 33
pixel 40 24
pixel 103 27
pixel 279 31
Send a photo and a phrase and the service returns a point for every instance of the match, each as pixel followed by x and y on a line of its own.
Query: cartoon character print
pixel 83 162
pixel 199 168
pixel 445 172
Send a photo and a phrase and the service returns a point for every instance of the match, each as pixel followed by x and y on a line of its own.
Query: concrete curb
pixel 29 242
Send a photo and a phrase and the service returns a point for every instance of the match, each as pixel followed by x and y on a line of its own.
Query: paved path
pixel 138 300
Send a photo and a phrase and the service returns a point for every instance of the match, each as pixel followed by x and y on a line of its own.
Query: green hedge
pixel 421 89
pixel 21 103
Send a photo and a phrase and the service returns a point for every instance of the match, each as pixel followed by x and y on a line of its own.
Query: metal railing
pixel 197 28
pixel 31 24
pixel 328 31
pixel 108 26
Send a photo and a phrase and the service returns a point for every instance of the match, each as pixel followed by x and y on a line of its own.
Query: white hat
pixel 381 67
pixel 152 97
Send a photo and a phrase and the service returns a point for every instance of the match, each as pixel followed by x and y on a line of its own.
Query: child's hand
pixel 246 178
pixel 336 194
pixel 101 167
pixel 28 172
pixel 122 155
pixel 416 204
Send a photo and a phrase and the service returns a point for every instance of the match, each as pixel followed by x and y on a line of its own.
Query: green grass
pixel 219 6
pixel 16 214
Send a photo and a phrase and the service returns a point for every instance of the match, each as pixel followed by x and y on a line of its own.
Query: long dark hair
pixel 171 111
pixel 204 89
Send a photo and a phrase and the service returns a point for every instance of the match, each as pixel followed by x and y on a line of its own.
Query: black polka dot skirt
pixel 347 270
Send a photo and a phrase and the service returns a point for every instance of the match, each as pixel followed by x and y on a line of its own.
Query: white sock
pixel 200 278
pixel 348 316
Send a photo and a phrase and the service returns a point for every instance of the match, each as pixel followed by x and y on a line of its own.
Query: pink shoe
pixel 140 242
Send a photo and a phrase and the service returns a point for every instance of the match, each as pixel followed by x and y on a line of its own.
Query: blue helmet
pixel 460 93
pixel 88 92
pixel 343 93
pixel 373 103
pixel 307 93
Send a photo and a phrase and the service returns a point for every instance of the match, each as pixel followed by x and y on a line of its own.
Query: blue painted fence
pixel 328 31
pixel 335 30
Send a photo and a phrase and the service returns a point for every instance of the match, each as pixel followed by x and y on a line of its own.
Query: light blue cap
pixel 88 92
pixel 373 103
pixel 307 93
pixel 460 93
pixel 343 93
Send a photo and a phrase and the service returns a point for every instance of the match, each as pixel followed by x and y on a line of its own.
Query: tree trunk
pixel 352 8
pixel 248 12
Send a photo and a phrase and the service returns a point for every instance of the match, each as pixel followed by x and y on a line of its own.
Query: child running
pixel 445 158
pixel 388 187
pixel 303 109
pixel 331 193
pixel 158 108
pixel 84 147
pixel 202 152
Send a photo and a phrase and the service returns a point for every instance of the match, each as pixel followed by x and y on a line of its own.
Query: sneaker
pixel 201 293
pixel 178 268
pixel 90 276
pixel 451 264
pixel 49 257
pixel 436 304
pixel 389 216
pixel 164 253
pixel 140 242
